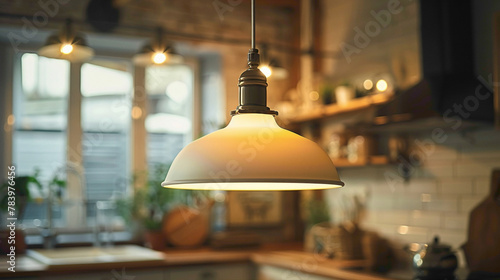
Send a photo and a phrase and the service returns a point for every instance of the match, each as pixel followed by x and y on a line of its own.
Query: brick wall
pixel 450 181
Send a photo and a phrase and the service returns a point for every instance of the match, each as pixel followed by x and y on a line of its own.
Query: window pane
pixel 170 111
pixel 41 87
pixel 44 77
pixel 106 99
pixel 40 103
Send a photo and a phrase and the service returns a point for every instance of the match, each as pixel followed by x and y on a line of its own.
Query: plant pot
pixel 344 94
pixel 18 241
pixel 155 240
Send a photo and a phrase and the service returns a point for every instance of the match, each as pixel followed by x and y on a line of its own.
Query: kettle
pixel 433 261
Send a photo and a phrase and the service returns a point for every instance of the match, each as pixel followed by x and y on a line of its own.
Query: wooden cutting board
pixel 482 249
pixel 186 227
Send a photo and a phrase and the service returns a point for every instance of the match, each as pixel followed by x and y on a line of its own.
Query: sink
pixel 81 256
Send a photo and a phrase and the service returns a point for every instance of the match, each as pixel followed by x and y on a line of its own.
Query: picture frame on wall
pixel 254 209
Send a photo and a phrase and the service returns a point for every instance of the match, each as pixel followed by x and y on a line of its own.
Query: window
pixel 106 87
pixel 170 111
pixel 40 109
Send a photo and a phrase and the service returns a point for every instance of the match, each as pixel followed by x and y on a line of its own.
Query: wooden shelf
pixel 373 160
pixel 336 109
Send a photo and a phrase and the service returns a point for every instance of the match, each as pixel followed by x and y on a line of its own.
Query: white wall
pixel 452 179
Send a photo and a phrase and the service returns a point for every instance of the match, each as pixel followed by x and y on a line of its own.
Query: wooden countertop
pixel 314 264
pixel 287 256
pixel 208 255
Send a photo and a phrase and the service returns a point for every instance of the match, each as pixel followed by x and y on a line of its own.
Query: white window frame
pixel 75 216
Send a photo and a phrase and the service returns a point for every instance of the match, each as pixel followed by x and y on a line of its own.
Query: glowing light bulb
pixel 66 48
pixel 381 85
pixel 368 84
pixel 159 58
pixel 136 112
pixel 266 70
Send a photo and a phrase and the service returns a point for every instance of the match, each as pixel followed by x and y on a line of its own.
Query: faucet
pixel 103 222
pixel 47 230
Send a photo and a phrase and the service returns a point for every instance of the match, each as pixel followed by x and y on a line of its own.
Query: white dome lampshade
pixel 271 67
pixel 252 153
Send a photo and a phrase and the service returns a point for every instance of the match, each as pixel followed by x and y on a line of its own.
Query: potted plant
pixel 327 93
pixel 315 211
pixel 22 194
pixel 147 206
pixel 344 93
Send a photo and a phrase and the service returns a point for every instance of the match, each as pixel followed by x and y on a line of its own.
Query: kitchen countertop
pixel 288 256
pixel 175 257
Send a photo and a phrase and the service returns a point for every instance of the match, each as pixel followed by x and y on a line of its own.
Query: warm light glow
pixel 368 84
pixel 254 186
pixel 266 70
pixel 403 230
pixel 73 53
pixel 314 95
pixel 381 85
pixel 136 112
pixel 220 197
pixel 159 57
pixel 66 48
pixel 426 197
pixel 256 154
pixel 11 119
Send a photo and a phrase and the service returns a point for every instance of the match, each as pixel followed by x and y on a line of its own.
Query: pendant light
pixel 157 53
pixel 252 152
pixel 271 67
pixel 67 45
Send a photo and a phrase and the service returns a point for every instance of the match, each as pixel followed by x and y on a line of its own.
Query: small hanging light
pixel 157 53
pixel 67 45
pixel 271 66
pixel 252 152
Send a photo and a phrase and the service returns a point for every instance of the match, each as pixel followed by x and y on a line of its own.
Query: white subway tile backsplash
pixel 469 202
pixel 384 188
pixel 475 167
pixel 425 219
pixel 408 202
pixel 455 186
pixel 484 151
pixel 409 234
pixel 437 170
pixel 455 221
pixel 381 203
pixel 441 153
pixel 445 204
pixel 439 195
pixel 392 217
pixel 483 137
pixel 482 186
pixel 422 186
